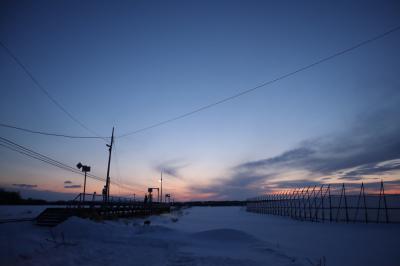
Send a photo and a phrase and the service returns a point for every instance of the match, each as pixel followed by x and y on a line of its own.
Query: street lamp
pixel 85 169
pixel 161 187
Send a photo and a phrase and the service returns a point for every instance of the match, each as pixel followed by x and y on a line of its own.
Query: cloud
pixel 370 147
pixel 67 182
pixel 372 168
pixel 170 168
pixel 294 183
pixel 24 185
pixel 72 186
pixel 373 140
pixel 238 186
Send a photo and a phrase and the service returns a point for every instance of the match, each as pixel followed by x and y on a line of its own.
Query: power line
pixel 35 155
pixel 48 133
pixel 306 67
pixel 119 178
pixel 6 143
pixel 43 90
pixel 117 163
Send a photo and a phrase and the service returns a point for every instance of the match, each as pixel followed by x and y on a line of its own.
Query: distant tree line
pixel 14 198
pixel 9 197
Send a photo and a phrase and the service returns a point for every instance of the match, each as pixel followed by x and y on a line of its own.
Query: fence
pixel 330 203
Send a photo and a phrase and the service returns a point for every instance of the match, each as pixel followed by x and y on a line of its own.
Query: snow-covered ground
pixel 340 243
pixel 199 236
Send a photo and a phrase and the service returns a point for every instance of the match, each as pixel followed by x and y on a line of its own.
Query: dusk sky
pixel 132 64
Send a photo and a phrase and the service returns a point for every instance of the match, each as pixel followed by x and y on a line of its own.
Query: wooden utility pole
pixel 84 189
pixel 161 188
pixel 108 168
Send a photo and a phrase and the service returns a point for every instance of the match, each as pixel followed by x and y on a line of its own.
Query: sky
pixel 131 64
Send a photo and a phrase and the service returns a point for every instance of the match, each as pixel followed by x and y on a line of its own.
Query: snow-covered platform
pixel 55 216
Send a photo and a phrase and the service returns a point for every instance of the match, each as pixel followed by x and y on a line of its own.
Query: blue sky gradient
pixel 130 64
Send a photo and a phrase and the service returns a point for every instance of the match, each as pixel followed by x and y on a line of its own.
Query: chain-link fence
pixel 331 203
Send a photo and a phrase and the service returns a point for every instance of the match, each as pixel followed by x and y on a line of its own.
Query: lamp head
pixel 79 165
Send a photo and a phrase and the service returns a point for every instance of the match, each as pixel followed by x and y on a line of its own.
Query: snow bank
pixel 128 242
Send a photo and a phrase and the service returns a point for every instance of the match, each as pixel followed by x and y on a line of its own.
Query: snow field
pixel 199 236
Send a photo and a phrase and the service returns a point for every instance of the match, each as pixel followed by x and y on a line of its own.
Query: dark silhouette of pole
pixel 84 188
pixel 365 203
pixel 108 167
pixel 345 204
pixel 85 169
pixel 161 188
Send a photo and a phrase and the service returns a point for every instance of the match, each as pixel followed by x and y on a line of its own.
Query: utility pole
pixel 108 168
pixel 161 188
pixel 84 189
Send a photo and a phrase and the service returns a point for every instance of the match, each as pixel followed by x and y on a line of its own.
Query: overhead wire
pixel 49 133
pixel 281 77
pixel 117 164
pixel 11 145
pixel 119 180
pixel 43 89
pixel 33 154
pixel 226 99
pixel 30 153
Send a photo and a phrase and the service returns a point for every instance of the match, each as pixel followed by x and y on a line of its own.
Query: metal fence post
pixel 384 202
pixel 345 203
pixel 358 203
pixel 340 205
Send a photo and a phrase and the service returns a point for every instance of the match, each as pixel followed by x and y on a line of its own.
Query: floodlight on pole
pixel 84 169
pixel 167 196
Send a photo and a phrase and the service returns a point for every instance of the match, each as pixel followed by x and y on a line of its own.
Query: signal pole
pixel 108 168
